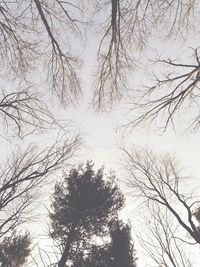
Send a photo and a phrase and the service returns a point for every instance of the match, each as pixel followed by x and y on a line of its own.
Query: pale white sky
pixel 102 133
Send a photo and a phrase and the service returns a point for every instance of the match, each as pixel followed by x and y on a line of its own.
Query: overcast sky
pixel 103 132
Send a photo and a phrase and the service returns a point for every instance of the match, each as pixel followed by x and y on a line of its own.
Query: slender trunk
pixel 65 253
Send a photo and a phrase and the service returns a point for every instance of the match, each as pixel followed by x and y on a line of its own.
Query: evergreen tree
pixel 121 249
pixel 83 205
pixel 118 252
pixel 14 250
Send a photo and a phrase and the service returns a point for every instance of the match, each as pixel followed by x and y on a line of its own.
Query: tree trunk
pixel 65 253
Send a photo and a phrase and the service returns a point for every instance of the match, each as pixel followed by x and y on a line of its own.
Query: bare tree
pixel 158 181
pixel 113 57
pixel 174 94
pixel 34 33
pixel 25 113
pixel 21 177
pixel 34 50
pixel 128 26
pixel 161 242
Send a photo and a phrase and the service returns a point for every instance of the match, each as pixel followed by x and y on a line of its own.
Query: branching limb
pixel 25 112
pixel 22 176
pixel 176 94
pixel 157 180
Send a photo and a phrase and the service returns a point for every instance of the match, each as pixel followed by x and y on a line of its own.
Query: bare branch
pixel 162 245
pixel 157 179
pixel 115 62
pixel 176 94
pixel 26 112
pixel 61 66
pixel 24 28
pixel 22 176
pixel 128 27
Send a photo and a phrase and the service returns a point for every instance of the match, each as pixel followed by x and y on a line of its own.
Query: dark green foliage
pixel 121 250
pixel 83 205
pixel 98 256
pixel 14 250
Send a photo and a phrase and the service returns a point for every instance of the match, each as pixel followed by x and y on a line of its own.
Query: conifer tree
pixel 118 252
pixel 83 205
pixel 14 250
pixel 121 248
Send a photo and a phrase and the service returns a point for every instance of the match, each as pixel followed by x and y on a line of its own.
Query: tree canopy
pixel 14 250
pixel 119 251
pixel 36 33
pixel 42 44
pixel 83 206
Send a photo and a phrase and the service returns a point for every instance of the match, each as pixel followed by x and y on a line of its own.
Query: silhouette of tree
pixel 161 241
pixel 22 108
pixel 96 256
pixel 37 40
pixel 25 113
pixel 42 40
pixel 22 175
pixel 117 252
pixel 174 90
pixel 83 205
pixel 158 181
pixel 129 25
pixel 121 248
pixel 14 250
